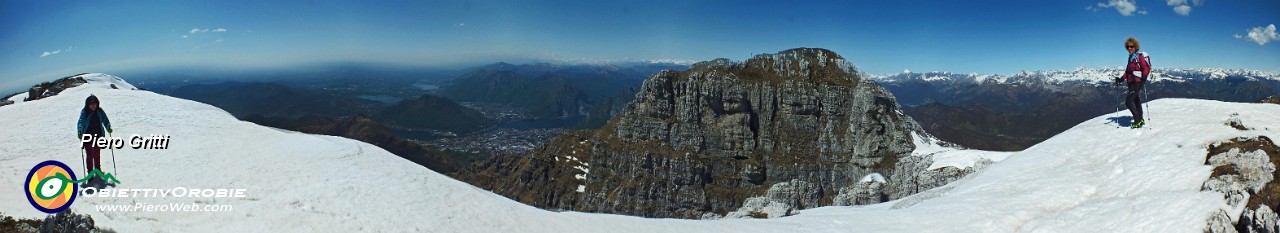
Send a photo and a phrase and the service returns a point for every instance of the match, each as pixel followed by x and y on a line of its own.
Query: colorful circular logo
pixel 49 187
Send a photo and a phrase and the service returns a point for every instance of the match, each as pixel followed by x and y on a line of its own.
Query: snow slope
pixel 94 79
pixel 945 155
pixel 1092 178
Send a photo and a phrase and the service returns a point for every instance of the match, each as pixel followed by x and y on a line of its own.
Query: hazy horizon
pixel 44 40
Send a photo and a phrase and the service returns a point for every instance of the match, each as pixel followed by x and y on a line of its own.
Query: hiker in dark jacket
pixel 92 121
pixel 1135 76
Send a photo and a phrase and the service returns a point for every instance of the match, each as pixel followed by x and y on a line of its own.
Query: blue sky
pixel 41 40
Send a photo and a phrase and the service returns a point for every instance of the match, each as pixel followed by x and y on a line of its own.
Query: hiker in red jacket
pixel 1135 76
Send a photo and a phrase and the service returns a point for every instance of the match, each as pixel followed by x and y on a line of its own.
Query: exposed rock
pixel 1262 219
pixel 1220 222
pixel 761 207
pixel 781 200
pixel 67 221
pixel 47 89
pixel 10 224
pixel 706 139
pixel 914 176
pixel 1244 172
pixel 869 190
pixel 1275 99
pixel 1234 122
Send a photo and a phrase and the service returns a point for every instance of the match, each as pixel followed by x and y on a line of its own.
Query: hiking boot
pixel 93 182
pixel 1138 124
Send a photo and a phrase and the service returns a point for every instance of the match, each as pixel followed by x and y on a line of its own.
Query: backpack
pixel 1142 55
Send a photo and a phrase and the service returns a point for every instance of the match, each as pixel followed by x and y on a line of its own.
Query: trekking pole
pixel 1147 105
pixel 113 157
pixel 1119 101
pixel 83 166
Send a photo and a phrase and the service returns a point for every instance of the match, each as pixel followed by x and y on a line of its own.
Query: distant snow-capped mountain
pixel 1012 112
pixel 1091 178
pixel 1086 75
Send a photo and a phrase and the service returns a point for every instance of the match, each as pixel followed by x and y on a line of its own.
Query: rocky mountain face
pixel 364 129
pixel 800 127
pixel 600 112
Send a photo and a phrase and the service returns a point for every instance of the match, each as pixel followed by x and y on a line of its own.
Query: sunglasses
pixel 1128 46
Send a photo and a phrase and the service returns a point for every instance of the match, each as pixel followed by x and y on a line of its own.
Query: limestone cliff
pixel 705 139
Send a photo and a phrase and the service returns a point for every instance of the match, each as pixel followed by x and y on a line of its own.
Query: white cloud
pixel 1261 35
pixel 1125 7
pixel 1182 7
pixel 1183 10
pixel 184 36
pixel 204 30
pixel 56 52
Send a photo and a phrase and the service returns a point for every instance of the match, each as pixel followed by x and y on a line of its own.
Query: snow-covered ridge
pixel 101 80
pixel 1094 177
pixel 1085 75
pixel 948 155
pixel 97 80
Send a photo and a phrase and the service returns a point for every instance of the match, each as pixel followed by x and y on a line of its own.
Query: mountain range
pixel 1213 173
pixel 998 112
pixel 434 112
pixel 275 100
pixel 549 90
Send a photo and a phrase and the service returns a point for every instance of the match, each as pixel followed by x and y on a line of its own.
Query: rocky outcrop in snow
pixel 706 139
pixel 915 175
pixel 869 190
pixel 1262 220
pixel 52 88
pixel 781 200
pixel 67 221
pixel 1244 172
